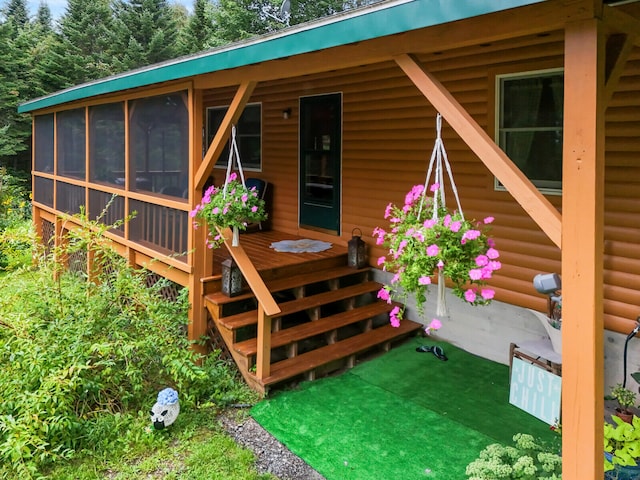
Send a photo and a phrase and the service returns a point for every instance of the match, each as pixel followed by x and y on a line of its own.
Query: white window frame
pixel 548 190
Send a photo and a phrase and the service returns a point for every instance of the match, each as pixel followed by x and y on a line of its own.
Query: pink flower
pixel 492 253
pixel 215 210
pixel 429 223
pixel 475 274
pixel 395 278
pixel 432 250
pixel 244 198
pixel 486 272
pixel 434 325
pixel 381 260
pixel 455 226
pixel 394 317
pixel 470 296
pixel 482 260
pixel 387 211
pixel 447 221
pixel 487 293
pixel 471 234
pixel 209 191
pixel 419 236
pixel 434 187
pixel 440 265
pixel 233 176
pixel 424 280
pixel 254 209
pixel 488 220
pixel 491 242
pixel 383 294
pixel 395 220
pixel 494 265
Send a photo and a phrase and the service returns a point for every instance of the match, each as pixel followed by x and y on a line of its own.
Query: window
pixel 248 135
pixel 106 139
pixel 529 125
pixel 71 145
pixel 44 143
pixel 159 144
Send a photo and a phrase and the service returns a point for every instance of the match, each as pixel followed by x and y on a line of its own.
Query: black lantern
pixel 357 250
pixel 231 278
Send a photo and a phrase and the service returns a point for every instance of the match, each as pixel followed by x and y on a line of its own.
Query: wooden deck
pixel 267 261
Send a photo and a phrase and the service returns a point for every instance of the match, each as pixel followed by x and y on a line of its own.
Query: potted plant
pixel 626 401
pixel 526 459
pixel 622 449
pixel 424 241
pixel 233 205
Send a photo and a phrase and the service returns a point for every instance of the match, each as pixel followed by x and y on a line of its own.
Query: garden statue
pixel 166 409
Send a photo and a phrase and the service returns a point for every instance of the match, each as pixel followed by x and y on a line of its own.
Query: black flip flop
pixel 437 351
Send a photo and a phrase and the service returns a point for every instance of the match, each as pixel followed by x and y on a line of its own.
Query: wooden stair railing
pixel 267 306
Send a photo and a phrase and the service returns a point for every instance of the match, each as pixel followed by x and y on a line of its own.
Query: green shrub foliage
pixel 81 360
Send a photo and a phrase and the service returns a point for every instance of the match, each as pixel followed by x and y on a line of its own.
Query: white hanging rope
pixel 440 161
pixel 234 154
pixel 438 158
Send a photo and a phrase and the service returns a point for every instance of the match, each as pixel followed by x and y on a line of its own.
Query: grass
pixel 194 448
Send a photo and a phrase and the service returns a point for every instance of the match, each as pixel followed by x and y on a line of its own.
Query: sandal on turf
pixel 437 351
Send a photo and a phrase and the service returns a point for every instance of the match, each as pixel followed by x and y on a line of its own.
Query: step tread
pixel 294 281
pixel 309 329
pixel 291 367
pixel 250 317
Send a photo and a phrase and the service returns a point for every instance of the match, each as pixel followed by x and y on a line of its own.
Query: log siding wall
pixel 388 136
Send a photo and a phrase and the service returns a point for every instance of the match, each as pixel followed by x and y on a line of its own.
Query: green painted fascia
pixel 376 21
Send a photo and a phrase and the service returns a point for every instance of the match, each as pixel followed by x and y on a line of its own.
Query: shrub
pixel 81 360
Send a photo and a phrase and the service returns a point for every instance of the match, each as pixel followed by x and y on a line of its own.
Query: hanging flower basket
pixel 427 241
pixel 422 248
pixel 232 205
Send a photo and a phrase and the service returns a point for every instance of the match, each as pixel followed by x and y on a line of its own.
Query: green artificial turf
pixel 404 415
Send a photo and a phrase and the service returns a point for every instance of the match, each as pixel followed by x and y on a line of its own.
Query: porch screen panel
pixel 43 155
pixel 107 209
pixel 69 198
pixel 159 144
pixel 106 144
pixel 162 228
pixel 43 191
pixel 71 146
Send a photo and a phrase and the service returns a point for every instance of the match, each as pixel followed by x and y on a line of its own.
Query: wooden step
pixel 287 283
pixel 294 366
pixel 244 319
pixel 310 329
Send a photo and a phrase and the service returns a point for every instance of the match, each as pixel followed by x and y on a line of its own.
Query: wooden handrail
pixel 267 306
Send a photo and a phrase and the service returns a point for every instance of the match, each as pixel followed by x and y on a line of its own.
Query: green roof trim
pixel 379 20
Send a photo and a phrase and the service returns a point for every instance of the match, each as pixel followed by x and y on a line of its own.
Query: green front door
pixel 320 158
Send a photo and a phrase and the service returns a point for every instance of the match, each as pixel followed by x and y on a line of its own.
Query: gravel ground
pixel 271 456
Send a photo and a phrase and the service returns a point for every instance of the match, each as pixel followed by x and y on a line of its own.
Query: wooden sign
pixel 535 390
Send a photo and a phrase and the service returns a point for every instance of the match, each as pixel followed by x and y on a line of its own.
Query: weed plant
pixel 82 361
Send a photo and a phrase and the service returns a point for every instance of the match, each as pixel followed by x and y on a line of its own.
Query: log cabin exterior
pixel 377 77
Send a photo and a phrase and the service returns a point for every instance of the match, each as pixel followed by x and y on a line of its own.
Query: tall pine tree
pixel 199 33
pixel 145 33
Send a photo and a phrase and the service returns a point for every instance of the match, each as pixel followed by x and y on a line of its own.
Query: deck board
pixel 257 245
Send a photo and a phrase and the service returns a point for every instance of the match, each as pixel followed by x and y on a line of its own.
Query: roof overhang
pixel 380 20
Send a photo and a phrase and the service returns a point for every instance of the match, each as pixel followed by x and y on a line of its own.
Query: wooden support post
pixel 582 252
pixel 263 360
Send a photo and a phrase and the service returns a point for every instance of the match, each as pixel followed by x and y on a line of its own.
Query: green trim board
pixel 386 18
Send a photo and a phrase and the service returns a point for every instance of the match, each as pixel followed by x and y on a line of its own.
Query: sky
pixel 58 7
